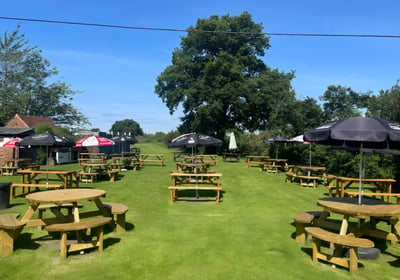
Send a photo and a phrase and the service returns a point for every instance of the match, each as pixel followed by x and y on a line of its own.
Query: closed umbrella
pixel 362 133
pixel 232 142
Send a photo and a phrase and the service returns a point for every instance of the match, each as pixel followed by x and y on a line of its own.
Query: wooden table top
pixel 94 164
pixel 196 174
pixel 278 159
pixel 257 157
pixel 349 179
pixel 61 172
pixel 368 208
pixel 64 196
pixel 312 168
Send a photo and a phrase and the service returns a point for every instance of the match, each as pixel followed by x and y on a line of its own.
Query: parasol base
pixel 194 199
pixel 367 253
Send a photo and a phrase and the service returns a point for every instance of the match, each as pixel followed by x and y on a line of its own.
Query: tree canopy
pixel 219 79
pixel 127 126
pixel 24 86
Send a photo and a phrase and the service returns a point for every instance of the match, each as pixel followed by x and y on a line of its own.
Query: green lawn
pixel 249 235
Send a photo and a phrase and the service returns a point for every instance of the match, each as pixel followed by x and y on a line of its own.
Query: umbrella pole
pixel 47 164
pixel 361 176
pixel 310 156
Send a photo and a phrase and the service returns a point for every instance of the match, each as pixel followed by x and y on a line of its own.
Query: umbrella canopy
pixel 91 141
pixel 357 132
pixel 276 139
pixel 45 139
pixel 192 140
pixel 360 133
pixel 232 142
pixel 124 138
pixel 124 141
pixel 300 139
pixel 10 143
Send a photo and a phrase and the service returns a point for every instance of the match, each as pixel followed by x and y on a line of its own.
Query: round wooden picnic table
pixel 64 196
pixel 369 209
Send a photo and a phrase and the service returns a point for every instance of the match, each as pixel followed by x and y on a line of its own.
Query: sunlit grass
pixel 249 235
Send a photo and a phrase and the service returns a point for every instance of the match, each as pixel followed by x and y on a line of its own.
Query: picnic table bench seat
pixel 388 196
pixel 330 184
pixel 174 189
pixel 87 177
pixel 302 219
pixel 9 170
pixel 10 228
pixel 308 181
pixel 64 228
pixel 29 186
pixel 119 210
pixel 353 243
pixel 290 176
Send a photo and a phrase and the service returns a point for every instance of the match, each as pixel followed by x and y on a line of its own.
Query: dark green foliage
pixel 127 126
pixel 221 82
pixel 24 87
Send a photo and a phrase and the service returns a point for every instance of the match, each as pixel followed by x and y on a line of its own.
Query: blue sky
pixel 116 69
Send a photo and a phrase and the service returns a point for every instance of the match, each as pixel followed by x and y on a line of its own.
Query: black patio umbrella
pixel 362 133
pixel 121 139
pixel 45 140
pixel 276 139
pixel 194 140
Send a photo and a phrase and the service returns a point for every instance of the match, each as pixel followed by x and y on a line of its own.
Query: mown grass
pixel 248 236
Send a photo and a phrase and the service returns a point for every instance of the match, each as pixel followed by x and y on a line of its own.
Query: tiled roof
pixel 15 132
pixel 29 121
pixel 33 122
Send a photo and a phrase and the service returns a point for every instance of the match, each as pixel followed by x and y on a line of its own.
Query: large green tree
pixel 24 86
pixel 127 126
pixel 219 79
pixel 343 102
pixel 386 104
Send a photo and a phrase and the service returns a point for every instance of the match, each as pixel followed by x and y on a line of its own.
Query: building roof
pixel 15 132
pixel 28 121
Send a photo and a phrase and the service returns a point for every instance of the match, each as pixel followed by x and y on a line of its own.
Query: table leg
pixel 345 225
pixel 76 212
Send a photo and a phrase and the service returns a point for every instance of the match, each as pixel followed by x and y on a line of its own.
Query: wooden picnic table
pixel 67 177
pixel 92 170
pixel 71 221
pixel 181 178
pixel 274 165
pixel 60 197
pixel 92 157
pixel 345 183
pixel 125 162
pixel 231 157
pixel 188 167
pixel 305 175
pixel 259 160
pixel 366 212
pixel 195 181
pixel 11 166
pixel 210 159
pixel 151 158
